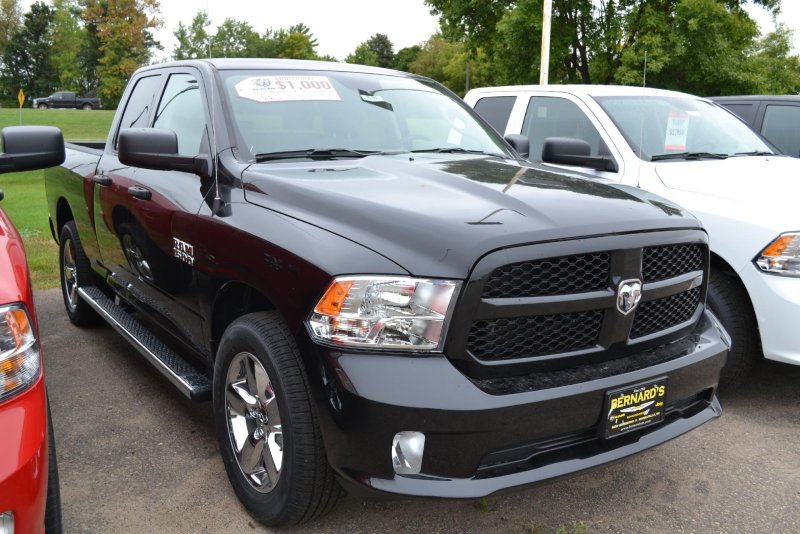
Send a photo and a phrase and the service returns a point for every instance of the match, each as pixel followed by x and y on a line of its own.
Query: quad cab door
pixel 145 218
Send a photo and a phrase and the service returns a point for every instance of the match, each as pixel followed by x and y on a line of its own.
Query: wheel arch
pixel 233 300
pixel 719 264
pixel 63 216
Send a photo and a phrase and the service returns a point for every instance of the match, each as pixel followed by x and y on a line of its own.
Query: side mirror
pixel 520 143
pixel 157 149
pixel 571 151
pixel 28 148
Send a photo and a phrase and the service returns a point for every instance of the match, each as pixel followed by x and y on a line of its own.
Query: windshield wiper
pixel 316 153
pixel 688 155
pixel 757 153
pixel 458 150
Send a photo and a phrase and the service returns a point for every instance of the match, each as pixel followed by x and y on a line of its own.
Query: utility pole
pixel 544 69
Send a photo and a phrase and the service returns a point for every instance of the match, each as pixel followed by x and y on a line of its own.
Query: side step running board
pixel 195 385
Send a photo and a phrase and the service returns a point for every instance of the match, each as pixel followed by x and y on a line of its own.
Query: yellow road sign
pixel 21 97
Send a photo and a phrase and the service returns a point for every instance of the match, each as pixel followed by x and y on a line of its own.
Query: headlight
pixel 782 256
pixel 384 312
pixel 19 351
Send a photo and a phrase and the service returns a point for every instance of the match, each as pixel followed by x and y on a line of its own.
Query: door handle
pixel 139 192
pixel 101 179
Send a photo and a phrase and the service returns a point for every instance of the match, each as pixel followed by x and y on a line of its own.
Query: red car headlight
pixel 19 351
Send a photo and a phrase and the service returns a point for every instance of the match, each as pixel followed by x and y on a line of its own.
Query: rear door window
pixel 781 128
pixel 496 110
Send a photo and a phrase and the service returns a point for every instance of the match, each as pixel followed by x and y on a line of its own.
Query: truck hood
pixel 744 202
pixel 749 179
pixel 436 215
pixel 762 190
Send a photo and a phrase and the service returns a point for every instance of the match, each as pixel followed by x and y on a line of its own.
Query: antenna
pixel 217 205
pixel 208 14
pixel 641 128
pixel 644 74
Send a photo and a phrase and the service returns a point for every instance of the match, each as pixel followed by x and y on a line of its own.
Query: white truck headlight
pixel 19 351
pixel 384 312
pixel 782 256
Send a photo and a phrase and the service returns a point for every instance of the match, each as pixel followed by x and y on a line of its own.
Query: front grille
pixel 665 313
pixel 660 263
pixel 542 308
pixel 551 276
pixel 525 337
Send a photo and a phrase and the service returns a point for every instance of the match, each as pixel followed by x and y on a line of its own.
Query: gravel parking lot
pixel 136 456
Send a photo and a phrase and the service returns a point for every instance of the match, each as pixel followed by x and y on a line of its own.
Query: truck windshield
pixel 324 114
pixel 670 128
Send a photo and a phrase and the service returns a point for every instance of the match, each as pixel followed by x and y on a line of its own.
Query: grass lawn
pixel 75 124
pixel 25 200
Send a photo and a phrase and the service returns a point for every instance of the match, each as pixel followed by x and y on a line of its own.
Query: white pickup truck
pixel 699 155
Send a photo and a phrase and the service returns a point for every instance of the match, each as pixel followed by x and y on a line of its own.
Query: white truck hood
pixel 744 202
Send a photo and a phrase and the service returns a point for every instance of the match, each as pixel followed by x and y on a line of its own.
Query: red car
pixel 29 492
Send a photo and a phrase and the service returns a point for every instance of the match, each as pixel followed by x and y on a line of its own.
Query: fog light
pixel 407 449
pixel 7 523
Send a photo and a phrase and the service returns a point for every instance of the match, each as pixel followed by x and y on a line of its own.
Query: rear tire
pixel 75 272
pixel 86 107
pixel 728 300
pixel 267 426
pixel 52 511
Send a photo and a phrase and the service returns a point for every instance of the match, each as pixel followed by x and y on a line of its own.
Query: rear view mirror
pixel 157 149
pixel 572 151
pixel 29 148
pixel 520 143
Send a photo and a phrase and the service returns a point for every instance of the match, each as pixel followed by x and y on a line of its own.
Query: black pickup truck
pixel 66 99
pixel 375 291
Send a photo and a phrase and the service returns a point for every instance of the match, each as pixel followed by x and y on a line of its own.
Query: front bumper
pixel 477 443
pixel 776 302
pixel 23 458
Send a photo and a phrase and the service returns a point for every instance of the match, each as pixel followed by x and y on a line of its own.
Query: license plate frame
pixel 634 407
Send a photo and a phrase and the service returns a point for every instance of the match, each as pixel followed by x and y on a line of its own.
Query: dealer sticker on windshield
pixel 677 131
pixel 634 407
pixel 286 88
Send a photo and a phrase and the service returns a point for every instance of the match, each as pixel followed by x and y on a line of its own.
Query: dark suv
pixel 775 117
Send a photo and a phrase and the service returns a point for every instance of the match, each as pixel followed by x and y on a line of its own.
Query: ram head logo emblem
pixel 628 295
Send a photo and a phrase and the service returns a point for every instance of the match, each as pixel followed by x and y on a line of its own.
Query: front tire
pixel 42 106
pixel 75 272
pixel 266 424
pixel 86 107
pixel 728 300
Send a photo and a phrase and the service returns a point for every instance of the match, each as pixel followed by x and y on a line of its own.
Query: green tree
pixel 10 20
pixel 363 55
pixel 383 48
pixel 295 45
pixel 775 68
pixel 405 57
pixel 193 40
pixel 69 37
pixel 234 39
pixel 26 57
pixel 701 46
pixel 123 31
pixel 446 62
pixel 377 51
